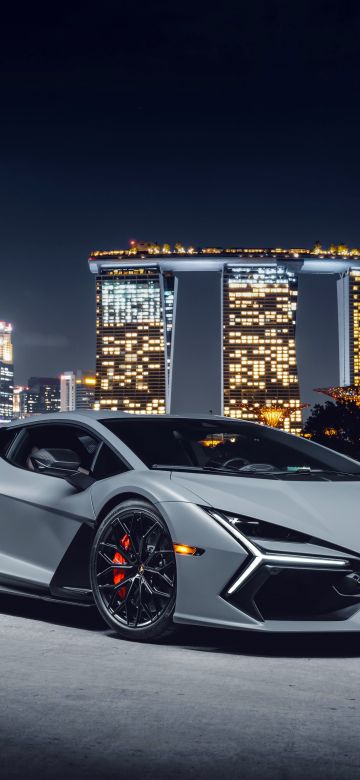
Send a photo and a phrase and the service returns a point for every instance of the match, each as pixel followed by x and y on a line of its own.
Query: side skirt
pixel 72 597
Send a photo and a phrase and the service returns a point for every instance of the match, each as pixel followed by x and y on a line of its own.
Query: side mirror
pixel 79 481
pixel 61 463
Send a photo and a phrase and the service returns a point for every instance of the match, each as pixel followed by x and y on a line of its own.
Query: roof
pixel 98 416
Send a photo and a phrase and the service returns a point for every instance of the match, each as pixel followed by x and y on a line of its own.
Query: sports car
pixel 161 520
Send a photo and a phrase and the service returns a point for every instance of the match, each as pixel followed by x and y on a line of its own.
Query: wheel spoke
pixel 105 557
pixel 139 606
pixel 143 539
pixel 155 592
pixel 117 548
pixel 124 601
pixel 106 571
pixel 160 574
pixel 112 586
pixel 156 542
pixel 108 544
pixel 113 566
pixel 148 611
pixel 114 594
pixel 126 529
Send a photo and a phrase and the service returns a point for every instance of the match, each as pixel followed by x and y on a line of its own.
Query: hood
pixel 327 510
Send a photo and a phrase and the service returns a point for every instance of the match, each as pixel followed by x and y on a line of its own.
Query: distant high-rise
pixel 20 402
pixel 67 391
pixel 85 391
pixel 6 372
pixel 42 395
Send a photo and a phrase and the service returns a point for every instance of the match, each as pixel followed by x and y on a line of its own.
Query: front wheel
pixel 133 572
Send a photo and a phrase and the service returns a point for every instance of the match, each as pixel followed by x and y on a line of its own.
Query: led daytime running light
pixel 260 557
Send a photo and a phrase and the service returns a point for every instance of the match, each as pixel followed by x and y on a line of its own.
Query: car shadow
pixel 86 618
pixel 261 644
pixel 200 639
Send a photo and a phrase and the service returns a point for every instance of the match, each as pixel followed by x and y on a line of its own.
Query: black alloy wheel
pixel 133 571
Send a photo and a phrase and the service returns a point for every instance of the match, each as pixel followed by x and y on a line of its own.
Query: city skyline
pixel 254 374
pixel 45 346
pixel 326 327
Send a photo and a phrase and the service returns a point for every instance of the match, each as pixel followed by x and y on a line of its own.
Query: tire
pixel 133 572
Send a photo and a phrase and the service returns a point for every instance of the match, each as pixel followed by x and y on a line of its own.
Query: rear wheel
pixel 133 572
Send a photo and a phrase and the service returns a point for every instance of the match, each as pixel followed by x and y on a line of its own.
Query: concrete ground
pixel 76 702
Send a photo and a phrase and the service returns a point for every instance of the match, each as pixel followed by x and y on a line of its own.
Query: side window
pixel 7 436
pixel 61 448
pixel 107 464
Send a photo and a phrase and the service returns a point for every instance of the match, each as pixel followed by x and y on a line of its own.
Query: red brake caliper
pixel 119 575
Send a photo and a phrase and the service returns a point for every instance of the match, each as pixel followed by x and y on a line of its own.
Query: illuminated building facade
pixel 349 325
pixel 260 368
pixel 20 402
pixel 42 395
pixel 6 372
pixel 210 330
pixel 67 391
pixel 130 340
pixel 354 326
pixel 85 391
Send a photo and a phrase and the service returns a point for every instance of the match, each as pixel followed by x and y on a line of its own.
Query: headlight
pixel 260 529
pixel 257 556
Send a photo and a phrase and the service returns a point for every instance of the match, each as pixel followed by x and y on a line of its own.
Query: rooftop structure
pixel 345 394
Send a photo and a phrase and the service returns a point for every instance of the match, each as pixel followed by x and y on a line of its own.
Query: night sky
pixel 235 123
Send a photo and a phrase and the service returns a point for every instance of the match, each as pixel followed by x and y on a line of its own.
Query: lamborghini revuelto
pixel 166 520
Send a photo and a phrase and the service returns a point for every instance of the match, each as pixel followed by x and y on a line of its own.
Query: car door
pixel 39 514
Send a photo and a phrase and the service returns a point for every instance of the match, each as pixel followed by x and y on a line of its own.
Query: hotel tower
pixel 6 372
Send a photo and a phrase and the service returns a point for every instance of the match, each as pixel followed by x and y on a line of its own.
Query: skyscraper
pixel 260 368
pixel 349 325
pixel 67 391
pixel 6 372
pixel 85 391
pixel 20 402
pixel 130 344
pixel 42 395
pixel 354 324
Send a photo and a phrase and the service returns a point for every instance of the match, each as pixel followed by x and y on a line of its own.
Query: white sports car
pixel 166 520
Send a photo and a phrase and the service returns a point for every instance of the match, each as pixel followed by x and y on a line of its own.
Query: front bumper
pixel 274 597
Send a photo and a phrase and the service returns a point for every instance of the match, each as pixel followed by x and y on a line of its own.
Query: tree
pixel 336 425
pixel 317 248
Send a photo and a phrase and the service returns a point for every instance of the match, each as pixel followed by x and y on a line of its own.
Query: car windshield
pixel 235 447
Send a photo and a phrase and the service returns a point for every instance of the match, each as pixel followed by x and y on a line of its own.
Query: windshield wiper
pixel 301 473
pixel 322 474
pixel 214 470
